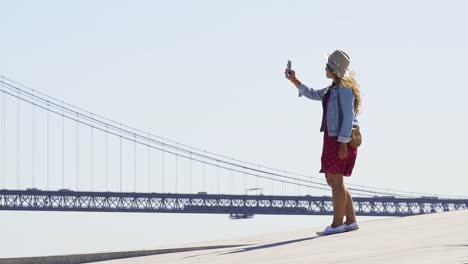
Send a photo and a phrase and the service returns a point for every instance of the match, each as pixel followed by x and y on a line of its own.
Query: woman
pixel 341 102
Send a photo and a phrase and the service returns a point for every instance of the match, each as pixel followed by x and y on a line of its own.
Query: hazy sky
pixel 210 74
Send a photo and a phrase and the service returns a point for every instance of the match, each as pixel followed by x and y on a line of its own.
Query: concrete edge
pixel 95 257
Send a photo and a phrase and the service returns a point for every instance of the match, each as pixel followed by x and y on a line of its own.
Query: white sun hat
pixel 338 62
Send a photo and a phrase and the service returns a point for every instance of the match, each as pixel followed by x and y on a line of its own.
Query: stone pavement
pixel 434 238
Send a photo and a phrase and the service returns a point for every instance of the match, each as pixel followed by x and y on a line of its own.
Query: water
pixel 58 233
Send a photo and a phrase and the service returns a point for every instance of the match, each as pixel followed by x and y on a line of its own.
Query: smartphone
pixel 288 67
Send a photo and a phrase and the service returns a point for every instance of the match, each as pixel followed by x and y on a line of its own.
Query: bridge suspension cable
pixel 156 136
pixel 307 177
pixel 146 139
pixel 80 119
pixel 93 121
pixel 280 179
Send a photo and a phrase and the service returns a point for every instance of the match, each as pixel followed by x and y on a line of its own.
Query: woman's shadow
pixel 277 244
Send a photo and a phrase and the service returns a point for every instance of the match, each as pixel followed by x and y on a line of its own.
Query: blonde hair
pixel 349 81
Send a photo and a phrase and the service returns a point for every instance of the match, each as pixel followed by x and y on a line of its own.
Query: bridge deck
pixel 236 205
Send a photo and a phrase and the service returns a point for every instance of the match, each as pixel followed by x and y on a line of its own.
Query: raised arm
pixel 303 89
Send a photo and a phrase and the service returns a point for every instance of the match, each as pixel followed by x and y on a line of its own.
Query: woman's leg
pixel 349 210
pixel 339 198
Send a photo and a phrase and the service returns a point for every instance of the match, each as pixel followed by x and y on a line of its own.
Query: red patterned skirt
pixel 331 162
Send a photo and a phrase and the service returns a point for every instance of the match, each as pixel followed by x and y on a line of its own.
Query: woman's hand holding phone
pixel 290 74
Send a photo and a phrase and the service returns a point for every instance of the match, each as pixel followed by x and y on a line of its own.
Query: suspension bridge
pixel 58 157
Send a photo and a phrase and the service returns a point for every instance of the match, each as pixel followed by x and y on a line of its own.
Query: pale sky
pixel 210 74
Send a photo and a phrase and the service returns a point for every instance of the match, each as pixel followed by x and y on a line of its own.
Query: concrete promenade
pixel 435 238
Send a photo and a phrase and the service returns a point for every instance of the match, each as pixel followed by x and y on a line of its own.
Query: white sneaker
pixel 330 230
pixel 351 227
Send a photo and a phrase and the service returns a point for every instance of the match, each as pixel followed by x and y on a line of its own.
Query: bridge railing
pixel 36 200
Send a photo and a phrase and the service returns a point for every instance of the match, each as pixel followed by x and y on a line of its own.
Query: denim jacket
pixel 340 118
